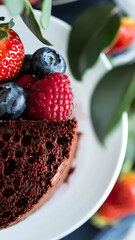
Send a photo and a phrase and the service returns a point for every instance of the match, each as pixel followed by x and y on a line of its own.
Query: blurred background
pixel 116 218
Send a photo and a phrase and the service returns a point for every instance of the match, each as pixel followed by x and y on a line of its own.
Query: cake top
pixel 31 154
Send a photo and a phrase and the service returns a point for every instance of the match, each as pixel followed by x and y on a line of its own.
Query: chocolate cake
pixel 35 157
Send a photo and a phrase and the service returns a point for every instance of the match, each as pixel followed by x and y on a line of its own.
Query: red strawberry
pixel 35 2
pixel 125 36
pixel 11 52
pixel 121 201
pixel 26 82
pixel 32 1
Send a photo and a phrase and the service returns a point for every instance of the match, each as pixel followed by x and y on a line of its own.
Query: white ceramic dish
pixel 128 6
pixel 97 167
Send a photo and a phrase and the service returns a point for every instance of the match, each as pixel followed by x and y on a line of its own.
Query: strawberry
pixel 11 52
pixel 33 1
pixel 125 36
pixel 120 203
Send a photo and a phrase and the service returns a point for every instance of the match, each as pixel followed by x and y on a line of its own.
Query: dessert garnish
pixel 46 60
pixel 51 98
pixel 12 100
pixel 11 52
pixel 37 138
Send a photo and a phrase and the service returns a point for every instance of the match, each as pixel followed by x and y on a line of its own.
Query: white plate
pixel 97 167
pixel 128 6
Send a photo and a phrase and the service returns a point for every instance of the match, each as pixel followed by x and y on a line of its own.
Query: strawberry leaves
pixel 7 25
pixel 3 34
pixel 92 32
pixel 4 27
pixel 2 18
pixel 112 96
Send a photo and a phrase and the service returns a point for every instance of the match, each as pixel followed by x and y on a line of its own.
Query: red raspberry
pixel 26 82
pixel 51 98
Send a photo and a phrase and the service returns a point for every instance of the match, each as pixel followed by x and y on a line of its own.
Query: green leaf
pixel 46 13
pixel 29 19
pixel 111 97
pixel 3 34
pixel 15 7
pixel 130 153
pixel 92 32
pixel 4 27
pixel 7 25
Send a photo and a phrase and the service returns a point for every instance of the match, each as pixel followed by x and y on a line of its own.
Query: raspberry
pixel 26 82
pixel 51 98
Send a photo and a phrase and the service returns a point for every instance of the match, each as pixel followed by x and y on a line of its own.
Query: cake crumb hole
pixel 51 159
pixel 9 166
pixel 49 145
pixel 22 202
pixel 31 160
pixel 8 192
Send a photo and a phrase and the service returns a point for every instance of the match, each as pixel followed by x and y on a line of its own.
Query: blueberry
pixel 46 60
pixel 26 68
pixel 12 100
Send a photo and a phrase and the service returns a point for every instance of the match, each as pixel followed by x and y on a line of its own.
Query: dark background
pixel 69 12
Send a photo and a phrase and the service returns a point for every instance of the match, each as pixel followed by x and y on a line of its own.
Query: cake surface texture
pixel 35 157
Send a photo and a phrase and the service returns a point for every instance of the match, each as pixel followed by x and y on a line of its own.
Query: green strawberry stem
pixel 3 34
pixel 2 18
pixel 4 27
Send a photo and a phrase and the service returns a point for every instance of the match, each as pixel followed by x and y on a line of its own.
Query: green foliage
pixel 92 32
pixel 46 13
pixel 29 19
pixel 15 7
pixel 112 96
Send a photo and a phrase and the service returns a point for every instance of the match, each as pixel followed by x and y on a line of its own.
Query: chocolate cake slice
pixel 35 157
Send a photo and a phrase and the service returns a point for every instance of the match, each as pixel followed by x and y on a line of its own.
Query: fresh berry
pixel 125 36
pixel 11 52
pixel 37 4
pixel 12 100
pixel 33 1
pixel 46 60
pixel 51 98
pixel 26 82
pixel 26 68
pixel 121 201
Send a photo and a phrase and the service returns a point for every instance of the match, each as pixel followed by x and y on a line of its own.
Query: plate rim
pixel 110 186
pixel 121 157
